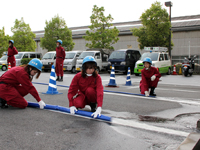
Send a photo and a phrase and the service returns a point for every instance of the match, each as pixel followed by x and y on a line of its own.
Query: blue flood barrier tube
pixel 67 110
pixel 103 90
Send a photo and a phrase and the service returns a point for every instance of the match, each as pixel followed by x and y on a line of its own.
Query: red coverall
pixel 89 89
pixel 16 84
pixel 146 82
pixel 60 56
pixel 11 58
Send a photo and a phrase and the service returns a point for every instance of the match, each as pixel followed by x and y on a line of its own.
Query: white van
pixel 70 60
pixel 160 60
pixel 48 60
pixel 22 55
pixel 101 56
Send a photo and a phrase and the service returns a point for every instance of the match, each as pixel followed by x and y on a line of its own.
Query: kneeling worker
pixel 16 83
pixel 86 88
pixel 150 78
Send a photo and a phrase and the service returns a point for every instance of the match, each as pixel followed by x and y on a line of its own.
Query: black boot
pixel 57 78
pixel 3 103
pixel 152 91
pixel 61 78
pixel 93 107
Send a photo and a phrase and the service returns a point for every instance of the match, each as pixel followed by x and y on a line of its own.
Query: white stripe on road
pixel 158 98
pixel 141 125
pixel 175 90
pixel 135 124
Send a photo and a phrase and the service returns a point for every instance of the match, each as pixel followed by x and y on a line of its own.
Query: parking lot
pixel 138 122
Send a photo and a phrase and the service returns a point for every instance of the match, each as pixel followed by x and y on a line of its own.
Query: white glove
pixel 153 78
pixel 146 93
pixel 41 104
pixel 73 110
pixel 97 112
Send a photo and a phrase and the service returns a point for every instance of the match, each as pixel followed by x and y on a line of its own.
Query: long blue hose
pixel 67 110
pixel 103 90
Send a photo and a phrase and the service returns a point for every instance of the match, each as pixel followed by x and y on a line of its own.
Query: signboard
pixel 155 49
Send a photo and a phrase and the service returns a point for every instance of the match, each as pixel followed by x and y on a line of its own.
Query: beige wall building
pixel 186 37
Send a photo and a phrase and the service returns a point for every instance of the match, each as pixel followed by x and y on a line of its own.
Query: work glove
pixel 153 78
pixel 97 112
pixel 73 110
pixel 41 104
pixel 146 93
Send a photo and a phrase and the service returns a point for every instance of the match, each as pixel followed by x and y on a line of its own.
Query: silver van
pixel 22 55
pixel 48 60
pixel 70 60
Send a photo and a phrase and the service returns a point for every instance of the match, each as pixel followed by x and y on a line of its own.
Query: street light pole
pixel 169 4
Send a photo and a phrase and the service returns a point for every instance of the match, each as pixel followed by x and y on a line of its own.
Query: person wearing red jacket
pixel 60 57
pixel 86 88
pixel 16 83
pixel 150 78
pixel 11 52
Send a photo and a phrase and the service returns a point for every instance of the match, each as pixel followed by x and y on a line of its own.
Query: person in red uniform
pixel 11 52
pixel 60 57
pixel 16 83
pixel 86 88
pixel 150 78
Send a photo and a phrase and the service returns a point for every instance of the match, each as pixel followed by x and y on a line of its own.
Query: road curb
pixel 192 142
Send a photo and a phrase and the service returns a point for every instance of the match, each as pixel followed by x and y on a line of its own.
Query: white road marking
pixel 141 125
pixel 175 90
pixel 135 124
pixel 158 98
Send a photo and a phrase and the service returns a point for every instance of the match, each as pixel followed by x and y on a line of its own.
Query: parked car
pixel 70 60
pixel 3 63
pixel 101 56
pixel 122 59
pixel 160 59
pixel 48 60
pixel 22 55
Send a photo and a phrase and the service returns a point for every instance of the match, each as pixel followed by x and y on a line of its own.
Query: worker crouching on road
pixel 60 57
pixel 150 78
pixel 16 83
pixel 11 52
pixel 86 88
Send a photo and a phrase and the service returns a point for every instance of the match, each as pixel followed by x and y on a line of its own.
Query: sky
pixel 77 12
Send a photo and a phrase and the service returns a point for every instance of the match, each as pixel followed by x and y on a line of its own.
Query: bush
pixel 25 61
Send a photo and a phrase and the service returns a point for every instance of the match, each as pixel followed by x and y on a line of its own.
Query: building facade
pixel 186 37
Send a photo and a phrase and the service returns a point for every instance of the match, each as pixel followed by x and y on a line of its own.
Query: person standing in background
pixel 60 57
pixel 11 52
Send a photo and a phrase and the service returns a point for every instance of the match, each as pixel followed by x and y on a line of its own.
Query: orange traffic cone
pixel 9 66
pixel 158 69
pixel 174 71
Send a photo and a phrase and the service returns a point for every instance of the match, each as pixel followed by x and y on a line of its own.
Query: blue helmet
pixel 89 59
pixel 147 59
pixel 36 63
pixel 59 41
pixel 11 41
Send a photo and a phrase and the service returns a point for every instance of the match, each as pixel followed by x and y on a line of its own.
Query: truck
pixel 101 56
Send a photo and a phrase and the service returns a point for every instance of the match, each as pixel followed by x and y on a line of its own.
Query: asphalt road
pixel 167 119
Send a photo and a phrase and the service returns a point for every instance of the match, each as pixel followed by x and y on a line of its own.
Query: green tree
pixel 23 36
pixel 155 30
pixel 3 41
pixel 101 35
pixel 57 29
